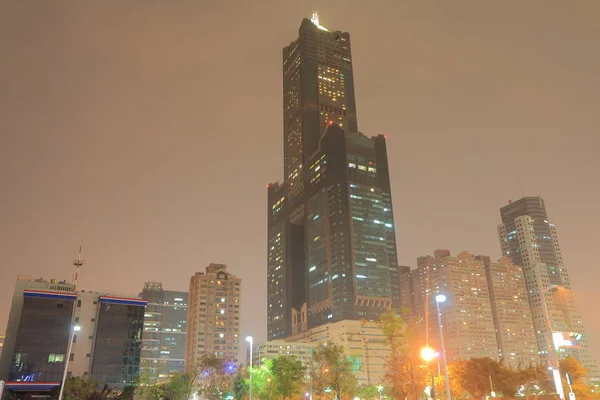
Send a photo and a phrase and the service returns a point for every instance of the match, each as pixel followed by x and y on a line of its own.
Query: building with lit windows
pixel 331 238
pixel 467 313
pixel 513 322
pixel 163 344
pixel 106 332
pixel 529 238
pixel 364 342
pixel 276 348
pixel 213 321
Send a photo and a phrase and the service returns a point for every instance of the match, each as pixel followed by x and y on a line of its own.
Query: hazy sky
pixel 151 128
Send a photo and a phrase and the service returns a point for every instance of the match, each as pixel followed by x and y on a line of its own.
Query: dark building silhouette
pixel 331 238
pixel 165 320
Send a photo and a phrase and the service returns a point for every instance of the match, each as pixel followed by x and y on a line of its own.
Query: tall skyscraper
pixel 529 238
pixel 163 345
pixel 331 238
pixel 213 321
pixel 43 317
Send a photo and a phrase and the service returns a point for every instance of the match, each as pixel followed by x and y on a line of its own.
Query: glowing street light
pixel 427 354
pixel 440 298
pixel 75 328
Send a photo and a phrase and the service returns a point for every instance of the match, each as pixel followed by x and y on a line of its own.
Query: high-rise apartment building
pixel 529 238
pixel 331 238
pixel 515 334
pixel 467 313
pixel 163 345
pixel 44 314
pixel 213 321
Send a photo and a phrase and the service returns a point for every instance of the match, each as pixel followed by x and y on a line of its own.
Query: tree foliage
pixel 472 378
pixel 177 387
pixel 212 378
pixel 367 392
pixel 331 369
pixel 405 371
pixel 239 387
pixel 262 377
pixel 578 374
pixel 288 376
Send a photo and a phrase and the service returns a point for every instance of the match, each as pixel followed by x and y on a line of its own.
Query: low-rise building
pixel 276 348
pixel 364 343
pixel 103 331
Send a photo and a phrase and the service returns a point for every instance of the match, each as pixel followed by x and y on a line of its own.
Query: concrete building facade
pixel 513 321
pixel 213 322
pixel 364 343
pixel 276 348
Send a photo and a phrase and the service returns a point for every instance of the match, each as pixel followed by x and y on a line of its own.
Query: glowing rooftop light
pixel 315 20
pixel 440 298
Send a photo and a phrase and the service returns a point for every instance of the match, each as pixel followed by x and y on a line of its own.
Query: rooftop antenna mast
pixel 521 185
pixel 78 262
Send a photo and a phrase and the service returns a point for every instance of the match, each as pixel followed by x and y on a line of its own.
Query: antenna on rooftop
pixel 78 262
pixel 521 185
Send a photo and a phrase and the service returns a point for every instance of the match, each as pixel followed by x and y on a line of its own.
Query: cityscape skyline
pixel 44 254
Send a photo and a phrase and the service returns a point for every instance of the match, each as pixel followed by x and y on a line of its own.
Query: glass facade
pixel 117 348
pixel 43 337
pixel 163 343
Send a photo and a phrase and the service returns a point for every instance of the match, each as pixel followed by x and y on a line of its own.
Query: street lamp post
pixel 428 354
pixel 72 330
pixel 250 340
pixel 440 298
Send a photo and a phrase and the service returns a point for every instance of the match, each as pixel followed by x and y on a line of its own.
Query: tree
pixel 212 377
pixel 288 376
pixel 177 387
pixel 261 379
pixel 239 387
pixel 578 374
pixel 405 372
pixel 367 392
pixel 79 388
pixel 331 369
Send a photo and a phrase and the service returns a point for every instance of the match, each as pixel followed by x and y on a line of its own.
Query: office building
pixel 364 342
pixel 513 322
pixel 213 322
pixel 529 238
pixel 163 344
pixel 106 333
pixel 276 348
pixel 331 238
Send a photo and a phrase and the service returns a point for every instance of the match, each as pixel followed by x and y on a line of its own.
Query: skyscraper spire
pixel 315 18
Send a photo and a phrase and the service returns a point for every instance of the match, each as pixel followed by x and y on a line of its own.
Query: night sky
pixel 151 128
